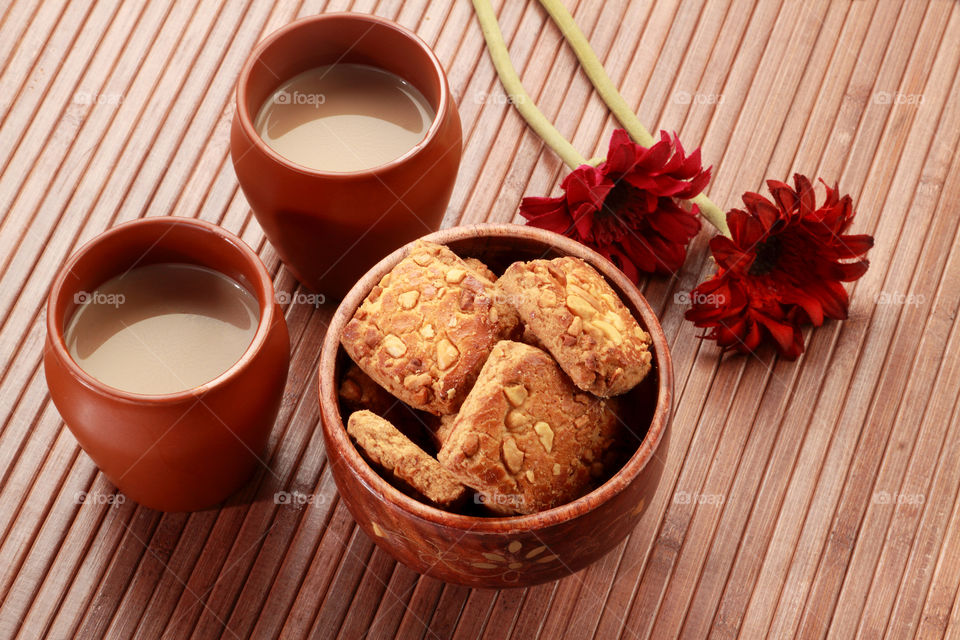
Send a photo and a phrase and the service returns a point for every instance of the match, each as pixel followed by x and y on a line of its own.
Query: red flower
pixel 782 268
pixel 626 207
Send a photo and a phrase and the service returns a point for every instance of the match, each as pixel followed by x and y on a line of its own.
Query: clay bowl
pixel 329 228
pixel 180 451
pixel 499 552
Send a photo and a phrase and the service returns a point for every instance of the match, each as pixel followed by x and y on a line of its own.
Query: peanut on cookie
pixel 358 391
pixel 481 268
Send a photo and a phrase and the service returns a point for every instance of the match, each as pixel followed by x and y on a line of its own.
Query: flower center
pixel 768 254
pixel 618 213
pixel 620 198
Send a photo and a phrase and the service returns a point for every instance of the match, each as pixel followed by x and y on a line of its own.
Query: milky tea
pixel 162 328
pixel 344 117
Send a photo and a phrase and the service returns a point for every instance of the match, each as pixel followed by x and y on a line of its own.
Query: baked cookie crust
pixel 578 317
pixel 526 439
pixel 424 332
pixel 388 447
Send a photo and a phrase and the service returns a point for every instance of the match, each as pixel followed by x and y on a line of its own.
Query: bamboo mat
pixel 816 498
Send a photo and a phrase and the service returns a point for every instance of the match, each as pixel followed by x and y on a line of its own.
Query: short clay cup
pixel 180 451
pixel 498 552
pixel 329 228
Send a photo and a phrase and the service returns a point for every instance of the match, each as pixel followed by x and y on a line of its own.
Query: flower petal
pixel 762 209
pixel 622 153
pixel 547 213
pixel 783 195
pixel 781 332
pixel 808 199
pixel 853 246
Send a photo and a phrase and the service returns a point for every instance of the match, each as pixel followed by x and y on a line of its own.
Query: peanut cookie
pixel 526 439
pixel 425 330
pixel 443 428
pixel 386 446
pixel 508 314
pixel 481 268
pixel 530 338
pixel 579 319
pixel 358 391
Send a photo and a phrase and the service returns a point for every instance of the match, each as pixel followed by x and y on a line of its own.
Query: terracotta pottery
pixel 499 552
pixel 180 451
pixel 329 228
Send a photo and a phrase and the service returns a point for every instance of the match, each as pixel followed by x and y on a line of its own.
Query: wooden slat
pixel 119 109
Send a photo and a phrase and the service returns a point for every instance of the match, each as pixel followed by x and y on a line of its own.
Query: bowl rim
pixel 336 433
pixel 260 285
pixel 246 119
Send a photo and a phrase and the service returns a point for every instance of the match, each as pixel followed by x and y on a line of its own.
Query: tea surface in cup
pixel 344 117
pixel 162 328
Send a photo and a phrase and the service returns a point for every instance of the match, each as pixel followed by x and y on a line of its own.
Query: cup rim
pixel 262 286
pixel 336 432
pixel 246 121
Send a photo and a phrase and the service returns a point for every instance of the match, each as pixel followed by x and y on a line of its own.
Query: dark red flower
pixel 782 268
pixel 626 208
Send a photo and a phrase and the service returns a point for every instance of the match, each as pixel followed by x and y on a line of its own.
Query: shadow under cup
pixel 180 451
pixel 329 228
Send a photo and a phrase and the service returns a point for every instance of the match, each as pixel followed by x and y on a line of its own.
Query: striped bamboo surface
pixel 811 498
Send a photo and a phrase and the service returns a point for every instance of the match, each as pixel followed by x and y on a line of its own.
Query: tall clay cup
pixel 178 451
pixel 329 228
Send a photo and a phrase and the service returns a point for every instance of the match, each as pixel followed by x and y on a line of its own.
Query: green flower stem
pixel 611 96
pixel 515 91
pixel 597 74
pixel 713 214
